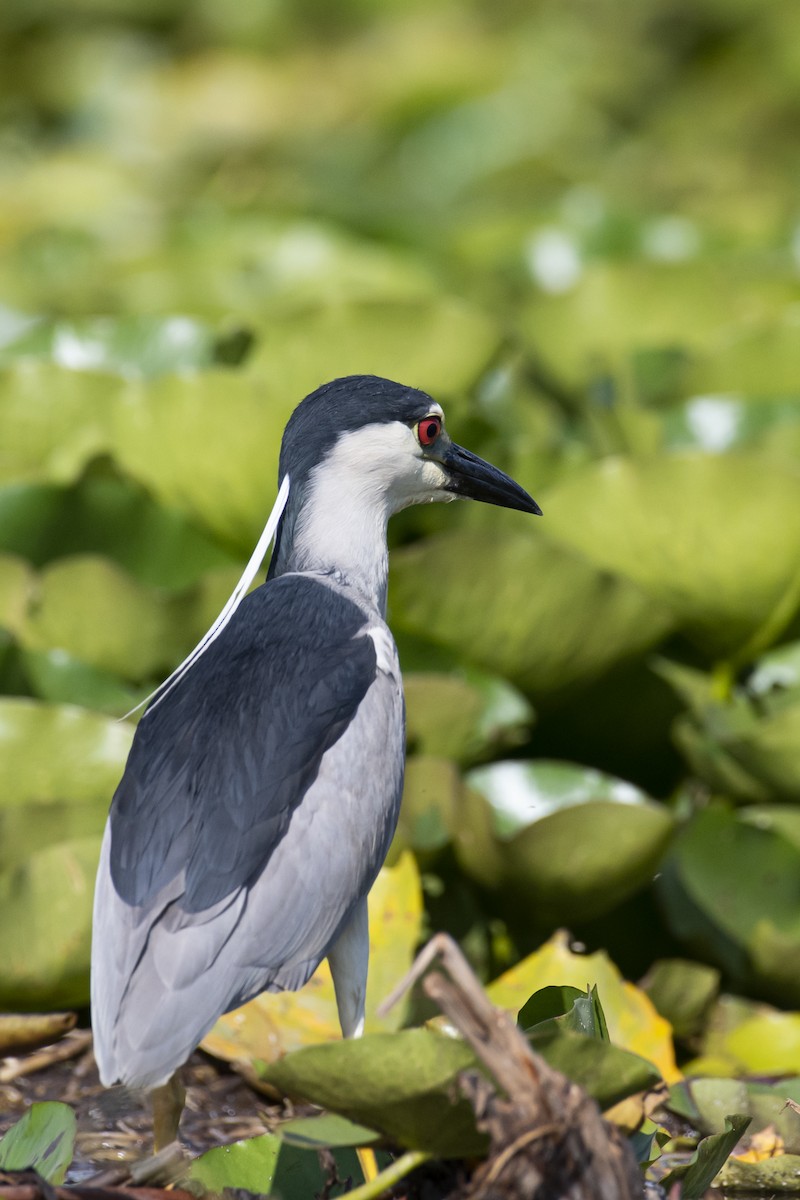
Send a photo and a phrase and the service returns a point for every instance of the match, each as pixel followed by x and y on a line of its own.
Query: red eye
pixel 428 430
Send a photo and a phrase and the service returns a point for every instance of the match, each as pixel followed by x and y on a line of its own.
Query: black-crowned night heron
pixel 263 785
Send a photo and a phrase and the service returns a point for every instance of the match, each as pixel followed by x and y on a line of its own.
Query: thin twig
pixel 71 1046
pixel 437 947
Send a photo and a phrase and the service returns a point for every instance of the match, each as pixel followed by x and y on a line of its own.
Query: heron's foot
pixel 168 1101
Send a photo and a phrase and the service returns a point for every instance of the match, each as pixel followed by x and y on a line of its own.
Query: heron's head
pixel 370 441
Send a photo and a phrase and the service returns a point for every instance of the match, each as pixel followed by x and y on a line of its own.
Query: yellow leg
pixel 168 1101
pixel 368 1162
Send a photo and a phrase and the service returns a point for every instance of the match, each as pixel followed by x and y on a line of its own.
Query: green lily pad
pixel 216 463
pixel 250 1164
pixel 84 759
pixel 710 761
pixel 429 811
pixel 267 1166
pixel 328 1129
pixel 619 307
pixel 770 753
pixel 713 538
pixel 704 1102
pixel 42 1141
pixel 398 1083
pixel 110 517
pixel 484 714
pixel 54 421
pixel 607 1072
pixel 46 926
pixel 744 745
pixel 555 1008
pixel 770 1177
pixel 753 1038
pixel 729 890
pixel 58 677
pixel 683 992
pixel 567 840
pixel 516 604
pixel 439 343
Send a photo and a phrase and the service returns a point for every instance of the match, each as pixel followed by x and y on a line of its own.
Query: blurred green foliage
pixel 577 225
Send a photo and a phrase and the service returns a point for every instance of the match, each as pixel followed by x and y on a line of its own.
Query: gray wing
pixel 256 808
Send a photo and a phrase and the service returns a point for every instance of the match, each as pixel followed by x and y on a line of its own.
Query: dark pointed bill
pixel 476 479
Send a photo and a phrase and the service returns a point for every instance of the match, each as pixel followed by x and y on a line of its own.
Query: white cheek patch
pixel 433 474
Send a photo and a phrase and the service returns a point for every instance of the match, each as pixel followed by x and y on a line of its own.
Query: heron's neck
pixel 340 535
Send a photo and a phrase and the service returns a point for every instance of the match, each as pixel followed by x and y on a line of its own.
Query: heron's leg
pixel 348 962
pixel 168 1101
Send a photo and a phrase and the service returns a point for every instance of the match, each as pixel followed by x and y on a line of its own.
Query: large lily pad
pixel 84 759
pixel 683 992
pixel 42 1141
pixel 58 677
pixel 484 714
pixel 516 604
pixel 218 461
pixel 566 840
pixel 46 925
pixel 439 343
pixel 430 811
pixel 106 516
pixel 607 1072
pixel 54 421
pixel 94 611
pixel 715 539
pixel 249 1164
pixel 399 1083
pixel 207 445
pixel 729 889
pixel 747 1037
pixel 619 307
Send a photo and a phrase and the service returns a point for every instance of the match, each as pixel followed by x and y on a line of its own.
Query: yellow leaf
pixel 633 1022
pixel 767 1143
pixel 631 1112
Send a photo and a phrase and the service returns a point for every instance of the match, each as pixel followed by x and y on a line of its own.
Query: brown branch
pixel 548 1138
